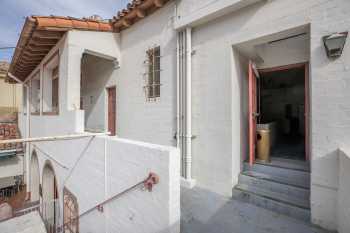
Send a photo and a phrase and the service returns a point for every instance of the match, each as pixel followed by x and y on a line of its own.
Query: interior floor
pixel 289 148
pixel 282 102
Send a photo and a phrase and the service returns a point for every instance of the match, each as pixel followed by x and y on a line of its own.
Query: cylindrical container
pixel 263 145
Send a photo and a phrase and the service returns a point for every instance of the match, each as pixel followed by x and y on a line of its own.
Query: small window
pixel 51 86
pixel 35 94
pixel 24 99
pixel 55 89
pixel 153 85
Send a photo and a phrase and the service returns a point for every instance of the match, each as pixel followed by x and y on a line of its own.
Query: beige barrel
pixel 263 145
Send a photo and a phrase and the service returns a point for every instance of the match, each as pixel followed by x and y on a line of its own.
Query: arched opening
pixel 34 178
pixel 50 206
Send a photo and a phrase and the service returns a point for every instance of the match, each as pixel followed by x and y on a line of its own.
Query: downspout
pixel 27 127
pixel 188 110
pixel 184 105
pixel 178 114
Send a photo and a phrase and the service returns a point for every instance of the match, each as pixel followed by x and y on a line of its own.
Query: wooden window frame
pixel 71 214
pixel 52 57
pixel 31 93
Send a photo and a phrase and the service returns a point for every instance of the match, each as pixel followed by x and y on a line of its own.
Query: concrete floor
pixel 206 212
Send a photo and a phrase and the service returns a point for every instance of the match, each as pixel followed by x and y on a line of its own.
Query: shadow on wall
pixel 330 188
pixel 343 212
pixel 324 185
pixel 229 24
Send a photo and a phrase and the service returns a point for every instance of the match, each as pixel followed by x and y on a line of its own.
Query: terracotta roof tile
pixel 71 23
pixel 25 59
pixel 130 12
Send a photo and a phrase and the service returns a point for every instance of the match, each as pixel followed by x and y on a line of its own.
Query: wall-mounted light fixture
pixel 334 44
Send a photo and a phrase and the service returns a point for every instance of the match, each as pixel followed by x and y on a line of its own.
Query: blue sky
pixel 13 13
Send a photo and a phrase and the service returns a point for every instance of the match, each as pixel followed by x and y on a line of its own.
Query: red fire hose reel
pixel 151 180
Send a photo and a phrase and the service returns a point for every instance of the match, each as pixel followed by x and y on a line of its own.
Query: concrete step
pixel 280 203
pixel 274 184
pixel 288 163
pixel 294 177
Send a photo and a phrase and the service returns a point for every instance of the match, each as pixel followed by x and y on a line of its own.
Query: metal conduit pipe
pixel 183 98
pixel 188 115
pixel 184 102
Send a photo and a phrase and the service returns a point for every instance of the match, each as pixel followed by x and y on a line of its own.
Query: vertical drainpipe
pixel 178 114
pixel 27 160
pixel 188 113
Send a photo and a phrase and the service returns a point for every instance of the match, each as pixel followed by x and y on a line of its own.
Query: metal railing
pixel 50 211
pixel 7 193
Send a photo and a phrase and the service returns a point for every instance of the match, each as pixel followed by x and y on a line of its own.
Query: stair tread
pixel 300 183
pixel 287 164
pixel 279 197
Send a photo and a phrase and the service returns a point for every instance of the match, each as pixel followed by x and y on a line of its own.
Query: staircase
pixel 282 186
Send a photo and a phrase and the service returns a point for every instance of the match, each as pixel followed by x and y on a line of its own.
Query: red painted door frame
pixel 304 65
pixel 252 110
pixel 307 112
pixel 111 117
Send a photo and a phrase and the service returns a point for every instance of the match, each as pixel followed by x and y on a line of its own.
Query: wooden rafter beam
pixel 126 23
pixel 37 52
pixel 43 42
pixel 25 66
pixel 39 48
pixel 31 58
pixel 158 3
pixel 35 55
pixel 47 34
pixel 140 13
pixel 27 62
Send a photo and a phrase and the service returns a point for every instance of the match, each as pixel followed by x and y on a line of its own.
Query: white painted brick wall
pixel 217 97
pixel 215 92
pixel 107 166
pixel 137 118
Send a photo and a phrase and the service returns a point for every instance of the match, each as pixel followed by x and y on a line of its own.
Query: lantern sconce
pixel 334 44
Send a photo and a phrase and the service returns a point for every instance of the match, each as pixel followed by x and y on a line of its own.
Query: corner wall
pixel 137 118
pixel 98 168
pixel 343 213
pixel 329 81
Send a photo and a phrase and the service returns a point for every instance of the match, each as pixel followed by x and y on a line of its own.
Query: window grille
pixel 70 212
pixel 153 79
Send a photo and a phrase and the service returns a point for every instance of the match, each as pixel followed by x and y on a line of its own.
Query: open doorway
pixel 50 201
pixel 111 92
pixel 282 102
pixel 96 73
pixel 275 94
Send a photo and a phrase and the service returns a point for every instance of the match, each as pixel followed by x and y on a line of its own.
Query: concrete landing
pixel 206 212
pixel 29 223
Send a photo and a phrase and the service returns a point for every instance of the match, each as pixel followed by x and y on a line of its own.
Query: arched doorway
pixel 34 178
pixel 50 209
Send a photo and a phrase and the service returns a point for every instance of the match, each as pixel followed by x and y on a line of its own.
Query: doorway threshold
pixel 293 164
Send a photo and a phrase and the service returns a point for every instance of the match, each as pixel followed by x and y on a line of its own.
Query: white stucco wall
pixel 218 89
pixel 343 205
pixel 195 12
pixel 70 118
pixel 137 118
pixel 97 73
pixel 78 42
pixel 95 169
pixel 213 112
